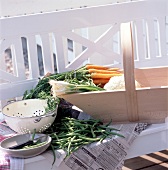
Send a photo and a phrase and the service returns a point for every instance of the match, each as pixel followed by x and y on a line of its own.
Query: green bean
pixel 103 137
pixel 93 134
pixel 53 150
pixel 89 139
pixel 34 145
pixel 69 145
pixel 34 132
pixel 108 123
pixel 69 134
pixel 60 139
pixel 74 142
pixel 55 135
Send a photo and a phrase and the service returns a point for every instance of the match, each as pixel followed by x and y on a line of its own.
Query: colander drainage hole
pixel 35 114
pixel 18 114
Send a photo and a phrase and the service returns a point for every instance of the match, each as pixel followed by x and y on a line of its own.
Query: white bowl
pixel 23 153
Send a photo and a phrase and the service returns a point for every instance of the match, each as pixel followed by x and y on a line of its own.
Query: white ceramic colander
pixel 26 115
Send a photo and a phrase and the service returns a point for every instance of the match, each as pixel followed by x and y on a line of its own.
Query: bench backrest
pixel 65 40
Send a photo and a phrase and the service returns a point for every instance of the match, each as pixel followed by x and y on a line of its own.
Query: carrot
pixel 92 66
pixel 113 69
pixel 104 76
pixel 102 71
pixel 100 81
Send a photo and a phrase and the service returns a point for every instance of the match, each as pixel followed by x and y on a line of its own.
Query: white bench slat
pixel 151 48
pixel 47 54
pixel 139 40
pixel 162 36
pixel 17 58
pixel 61 61
pixel 82 57
pixel 32 57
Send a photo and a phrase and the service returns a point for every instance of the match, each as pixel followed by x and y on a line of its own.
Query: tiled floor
pixel 153 161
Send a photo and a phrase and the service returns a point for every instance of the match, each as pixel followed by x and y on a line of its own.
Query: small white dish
pixel 23 153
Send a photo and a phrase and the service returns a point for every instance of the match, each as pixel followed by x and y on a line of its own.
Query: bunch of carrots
pixel 101 74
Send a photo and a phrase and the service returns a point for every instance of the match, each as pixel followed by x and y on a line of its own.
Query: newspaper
pixel 107 155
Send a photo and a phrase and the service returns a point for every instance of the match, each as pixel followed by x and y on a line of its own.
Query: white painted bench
pixel 53 31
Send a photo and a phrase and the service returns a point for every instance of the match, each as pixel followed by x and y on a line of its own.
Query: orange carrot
pixel 100 81
pixel 102 71
pixel 92 66
pixel 104 76
pixel 113 69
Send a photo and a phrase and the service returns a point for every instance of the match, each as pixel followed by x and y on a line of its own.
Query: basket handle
pixel 128 64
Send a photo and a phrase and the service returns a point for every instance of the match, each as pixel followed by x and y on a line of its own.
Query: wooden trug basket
pixel 147 104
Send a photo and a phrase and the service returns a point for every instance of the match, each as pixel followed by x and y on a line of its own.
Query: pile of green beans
pixel 70 134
